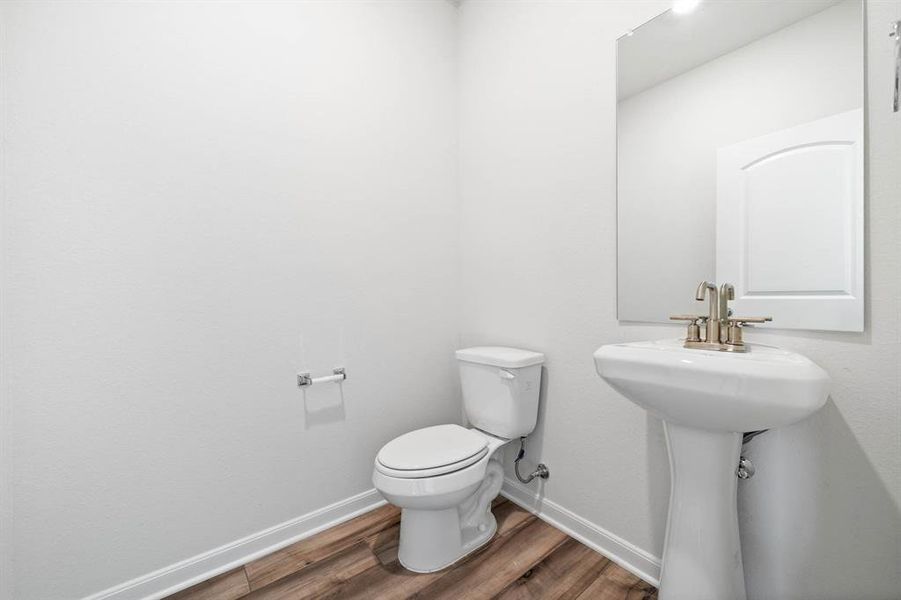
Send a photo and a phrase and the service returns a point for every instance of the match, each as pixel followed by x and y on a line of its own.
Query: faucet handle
pixel 694 329
pixel 745 320
pixel 733 337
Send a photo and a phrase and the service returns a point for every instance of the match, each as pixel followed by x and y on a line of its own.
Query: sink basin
pixel 763 388
pixel 707 399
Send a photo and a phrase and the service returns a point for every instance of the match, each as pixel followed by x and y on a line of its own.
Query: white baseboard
pixel 186 573
pixel 626 555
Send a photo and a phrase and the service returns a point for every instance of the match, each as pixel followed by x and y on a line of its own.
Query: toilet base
pixel 431 540
pixel 424 550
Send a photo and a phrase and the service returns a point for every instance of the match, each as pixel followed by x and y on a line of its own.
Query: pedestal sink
pixel 707 400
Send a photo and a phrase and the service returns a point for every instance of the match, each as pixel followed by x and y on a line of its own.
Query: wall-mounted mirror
pixel 740 159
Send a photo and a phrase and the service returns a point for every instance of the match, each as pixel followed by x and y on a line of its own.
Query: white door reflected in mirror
pixel 789 228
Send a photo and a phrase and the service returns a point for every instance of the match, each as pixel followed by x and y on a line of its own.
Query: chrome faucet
pixel 724 332
pixel 708 290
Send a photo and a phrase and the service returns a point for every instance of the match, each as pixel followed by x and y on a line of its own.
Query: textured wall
pixel 539 271
pixel 200 199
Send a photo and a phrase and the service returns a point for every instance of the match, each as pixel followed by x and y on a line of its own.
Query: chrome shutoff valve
pixel 745 468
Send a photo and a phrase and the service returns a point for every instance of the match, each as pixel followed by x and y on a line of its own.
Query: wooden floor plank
pixel 320 579
pixel 526 560
pixel 500 565
pixel 230 585
pixel 384 544
pixel 390 581
pixel 295 557
pixel 615 583
pixel 563 575
pixel 385 582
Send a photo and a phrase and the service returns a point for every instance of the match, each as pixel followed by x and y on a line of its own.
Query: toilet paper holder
pixel 338 375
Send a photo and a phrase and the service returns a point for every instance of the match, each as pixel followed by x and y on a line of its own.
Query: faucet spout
pixel 703 287
pixel 708 290
pixel 727 292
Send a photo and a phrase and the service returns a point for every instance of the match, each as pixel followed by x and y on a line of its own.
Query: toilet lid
pixel 444 448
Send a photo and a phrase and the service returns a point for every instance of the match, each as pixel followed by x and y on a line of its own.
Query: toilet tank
pixel 500 389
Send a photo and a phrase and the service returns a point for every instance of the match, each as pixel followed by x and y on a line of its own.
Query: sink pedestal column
pixel 702 553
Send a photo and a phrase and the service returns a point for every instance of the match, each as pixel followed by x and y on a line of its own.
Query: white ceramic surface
pixel 432 450
pixel 444 517
pixel 445 477
pixel 500 400
pixel 500 356
pixel 707 399
pixel 721 391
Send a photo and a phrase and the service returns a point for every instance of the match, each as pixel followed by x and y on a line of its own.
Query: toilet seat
pixel 431 451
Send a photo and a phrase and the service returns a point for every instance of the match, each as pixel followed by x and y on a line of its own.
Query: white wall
pixel 804 72
pixel 198 200
pixel 539 271
pixel 538 247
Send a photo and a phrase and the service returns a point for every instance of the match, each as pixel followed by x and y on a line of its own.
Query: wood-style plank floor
pixel 527 559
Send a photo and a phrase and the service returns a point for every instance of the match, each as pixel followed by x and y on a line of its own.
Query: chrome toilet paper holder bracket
pixel 305 379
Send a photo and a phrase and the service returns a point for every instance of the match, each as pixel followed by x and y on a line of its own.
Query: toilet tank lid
pixel 499 356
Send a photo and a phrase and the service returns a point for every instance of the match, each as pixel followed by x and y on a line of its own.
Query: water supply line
pixel 540 471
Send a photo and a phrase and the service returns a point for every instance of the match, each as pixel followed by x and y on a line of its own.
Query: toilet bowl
pixel 445 507
pixel 444 477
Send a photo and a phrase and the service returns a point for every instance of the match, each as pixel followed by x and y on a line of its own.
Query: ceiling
pixel 670 44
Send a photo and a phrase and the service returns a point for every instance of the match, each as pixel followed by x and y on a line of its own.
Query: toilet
pixel 444 477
